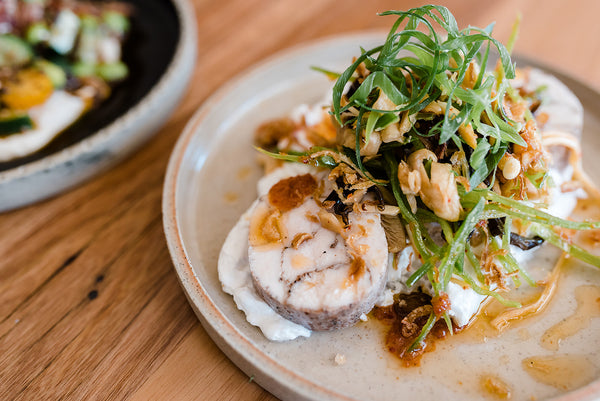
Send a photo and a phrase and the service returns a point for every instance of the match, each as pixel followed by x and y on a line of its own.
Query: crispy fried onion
pixel 409 327
pixel 348 181
pixel 494 275
pixel 339 159
pixel 376 207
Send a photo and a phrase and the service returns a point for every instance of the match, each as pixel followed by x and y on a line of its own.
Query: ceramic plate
pixel 211 181
pixel 160 53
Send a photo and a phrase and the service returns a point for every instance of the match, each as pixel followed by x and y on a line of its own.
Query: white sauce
pixel 399 270
pixel 234 274
pixel 50 118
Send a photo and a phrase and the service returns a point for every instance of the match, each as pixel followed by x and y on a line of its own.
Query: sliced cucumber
pixel 14 124
pixel 88 39
pixel 14 51
pixel 37 33
pixel 80 69
pixel 56 74
pixel 113 71
pixel 116 22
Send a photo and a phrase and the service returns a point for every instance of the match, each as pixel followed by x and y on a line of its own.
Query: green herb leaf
pixel 478 156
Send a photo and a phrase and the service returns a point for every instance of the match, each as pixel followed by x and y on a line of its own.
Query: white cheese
pixel 64 31
pixel 398 272
pixel 109 50
pixel 464 303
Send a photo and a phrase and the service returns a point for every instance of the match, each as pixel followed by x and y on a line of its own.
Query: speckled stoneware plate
pixel 160 52
pixel 211 181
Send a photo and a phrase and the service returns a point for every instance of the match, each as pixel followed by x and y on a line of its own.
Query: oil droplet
pixel 590 210
pixel 231 197
pixel 590 238
pixel 588 307
pixel 524 334
pixel 265 227
pixel 588 207
pixel 481 329
pixel 565 372
pixel 243 173
pixel 496 387
pixel 504 359
pixel 300 261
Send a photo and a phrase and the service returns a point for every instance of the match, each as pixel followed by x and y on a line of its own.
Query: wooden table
pixel 90 306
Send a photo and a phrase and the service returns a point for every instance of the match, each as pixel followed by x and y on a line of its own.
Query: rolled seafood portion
pixel 307 263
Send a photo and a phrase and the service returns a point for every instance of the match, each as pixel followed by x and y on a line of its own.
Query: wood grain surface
pixel 90 306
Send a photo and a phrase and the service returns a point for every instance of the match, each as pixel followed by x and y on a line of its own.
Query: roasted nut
pixel 511 168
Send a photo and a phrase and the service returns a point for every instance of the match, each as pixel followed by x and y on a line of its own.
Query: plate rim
pixel 184 52
pixel 266 371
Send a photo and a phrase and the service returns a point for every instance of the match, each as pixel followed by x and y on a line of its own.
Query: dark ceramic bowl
pixel 160 53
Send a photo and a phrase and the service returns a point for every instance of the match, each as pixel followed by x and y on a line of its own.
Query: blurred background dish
pixel 159 52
